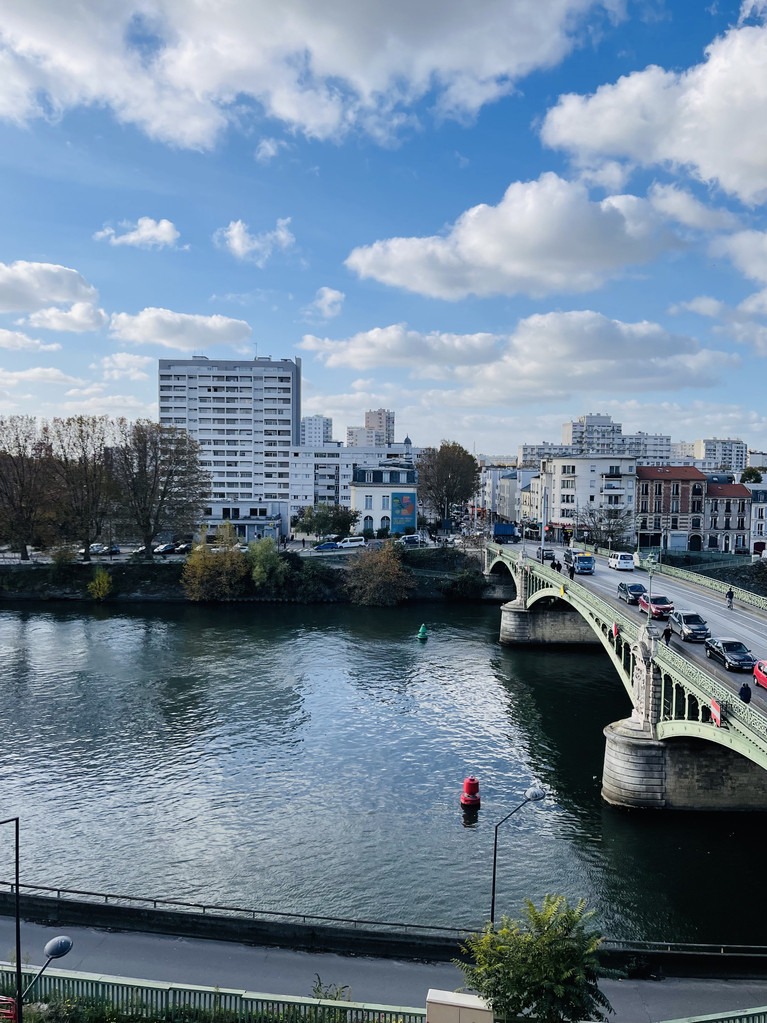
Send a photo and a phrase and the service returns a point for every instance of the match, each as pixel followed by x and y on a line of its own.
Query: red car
pixel 760 674
pixel 661 606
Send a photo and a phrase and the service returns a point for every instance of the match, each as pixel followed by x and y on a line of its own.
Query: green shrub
pixel 100 585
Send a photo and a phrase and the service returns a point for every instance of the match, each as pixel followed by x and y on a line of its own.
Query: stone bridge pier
pixel 642 770
pixel 668 754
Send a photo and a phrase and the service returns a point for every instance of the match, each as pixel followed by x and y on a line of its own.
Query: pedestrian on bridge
pixel 571 573
pixel 667 633
pixel 745 692
pixel 728 597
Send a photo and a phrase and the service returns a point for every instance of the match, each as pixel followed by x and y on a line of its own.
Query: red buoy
pixel 470 794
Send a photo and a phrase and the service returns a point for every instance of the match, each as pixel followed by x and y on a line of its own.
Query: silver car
pixel 689 626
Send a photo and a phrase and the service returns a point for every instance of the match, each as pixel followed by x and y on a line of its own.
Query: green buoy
pixel 422 633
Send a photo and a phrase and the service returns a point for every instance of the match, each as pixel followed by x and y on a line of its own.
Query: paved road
pixel 377 981
pixel 745 623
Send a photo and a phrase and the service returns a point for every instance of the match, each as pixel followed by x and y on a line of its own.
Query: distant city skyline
pixel 490 220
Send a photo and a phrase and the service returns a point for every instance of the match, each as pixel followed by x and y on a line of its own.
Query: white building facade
pixel 246 416
pixel 316 430
pixel 570 490
pixel 386 498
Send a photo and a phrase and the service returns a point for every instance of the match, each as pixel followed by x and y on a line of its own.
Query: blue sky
pixel 491 218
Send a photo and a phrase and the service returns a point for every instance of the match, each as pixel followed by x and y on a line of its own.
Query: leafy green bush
pixel 100 585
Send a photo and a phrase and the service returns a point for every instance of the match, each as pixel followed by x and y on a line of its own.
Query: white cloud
pixel 680 205
pixel 127 405
pixel 145 234
pixel 747 250
pixel 429 354
pixel 554 355
pixel 36 375
pixel 183 331
pixel 327 303
pixel 256 247
pixel 267 149
pixel 181 71
pixel 709 118
pixel 703 305
pixel 28 286
pixel 13 340
pixel 544 236
pixel 80 317
pixel 124 364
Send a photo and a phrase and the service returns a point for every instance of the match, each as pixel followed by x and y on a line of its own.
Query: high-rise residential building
pixel 721 453
pixel 246 415
pixel 596 434
pixel 316 430
pixel 381 419
pixel 362 437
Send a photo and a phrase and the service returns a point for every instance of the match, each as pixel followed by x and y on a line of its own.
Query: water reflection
pixel 311 760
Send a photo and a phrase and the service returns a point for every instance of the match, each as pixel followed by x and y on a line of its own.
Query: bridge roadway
pixel 655 757
pixel 745 623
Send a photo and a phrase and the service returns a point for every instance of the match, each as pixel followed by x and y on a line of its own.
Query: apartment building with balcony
pixel 572 490
pixel 246 416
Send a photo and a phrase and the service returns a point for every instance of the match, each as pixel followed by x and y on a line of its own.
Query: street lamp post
pixel 19 990
pixel 650 562
pixel 532 795
pixel 54 949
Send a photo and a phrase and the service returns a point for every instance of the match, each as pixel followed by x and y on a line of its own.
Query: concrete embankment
pixel 217 924
pixel 365 938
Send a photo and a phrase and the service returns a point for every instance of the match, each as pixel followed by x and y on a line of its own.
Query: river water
pixel 310 759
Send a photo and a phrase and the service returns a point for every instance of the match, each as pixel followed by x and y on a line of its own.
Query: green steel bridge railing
pixel 687 691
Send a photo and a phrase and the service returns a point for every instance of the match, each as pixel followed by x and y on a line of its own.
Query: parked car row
pixel 97 549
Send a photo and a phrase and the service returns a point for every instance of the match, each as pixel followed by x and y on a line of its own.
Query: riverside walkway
pixel 380 981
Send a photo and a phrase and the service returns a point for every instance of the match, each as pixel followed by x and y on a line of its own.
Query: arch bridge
pixel 690 742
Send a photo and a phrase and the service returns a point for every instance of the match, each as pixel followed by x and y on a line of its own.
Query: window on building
pixel 658 489
pixel 367 522
pixel 368 502
pixel 675 504
pixel 385 502
pixel 675 490
pixel 695 522
pixel 656 522
pixel 674 522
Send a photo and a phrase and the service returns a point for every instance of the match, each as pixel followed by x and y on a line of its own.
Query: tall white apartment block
pixel 246 416
pixel 362 437
pixel 592 433
pixel 721 453
pixel 316 430
pixel 381 419
pixel 682 452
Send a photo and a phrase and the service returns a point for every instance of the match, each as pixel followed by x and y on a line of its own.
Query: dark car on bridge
pixel 630 592
pixel 733 654
pixel 689 625
pixel 661 606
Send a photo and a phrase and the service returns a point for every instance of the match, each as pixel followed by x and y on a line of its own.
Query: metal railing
pixel 235 912
pixel 164 1001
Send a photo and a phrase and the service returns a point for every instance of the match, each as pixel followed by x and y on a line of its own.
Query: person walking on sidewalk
pixel 728 597
pixel 667 633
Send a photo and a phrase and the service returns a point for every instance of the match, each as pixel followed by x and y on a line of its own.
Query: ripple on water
pixel 311 760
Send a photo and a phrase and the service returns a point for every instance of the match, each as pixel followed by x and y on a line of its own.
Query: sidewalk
pixel 378 981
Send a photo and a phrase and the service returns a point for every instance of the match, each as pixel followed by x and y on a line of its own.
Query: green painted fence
pixel 161 1001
